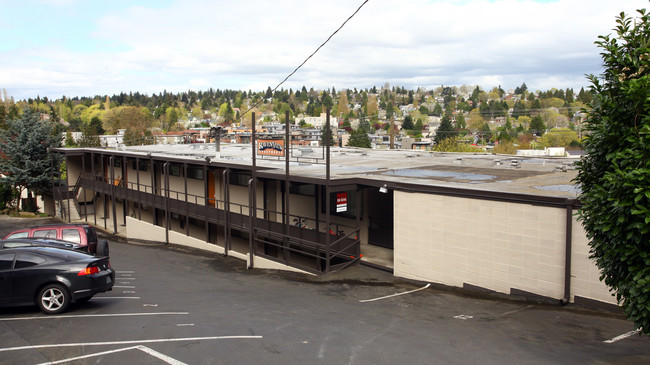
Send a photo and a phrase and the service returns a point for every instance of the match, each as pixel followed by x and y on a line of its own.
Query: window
pixel 302 189
pixel 195 173
pixel 240 179
pixel 142 165
pixel 6 261
pixel 176 170
pixel 28 259
pixel 46 233
pixel 71 235
pixel 10 244
pixel 19 235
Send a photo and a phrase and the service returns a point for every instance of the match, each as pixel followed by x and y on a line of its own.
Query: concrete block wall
pixel 585 276
pixel 494 245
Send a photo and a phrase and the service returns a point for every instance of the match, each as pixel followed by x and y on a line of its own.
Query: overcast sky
pixel 85 48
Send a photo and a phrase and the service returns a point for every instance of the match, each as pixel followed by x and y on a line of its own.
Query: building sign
pixel 341 202
pixel 270 147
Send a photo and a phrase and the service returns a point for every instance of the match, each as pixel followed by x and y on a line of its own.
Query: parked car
pixel 51 277
pixel 83 234
pixel 34 241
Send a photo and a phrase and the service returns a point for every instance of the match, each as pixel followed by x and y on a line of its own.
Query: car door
pixel 27 276
pixel 6 264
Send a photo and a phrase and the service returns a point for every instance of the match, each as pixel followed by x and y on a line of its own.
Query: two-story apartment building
pixel 485 222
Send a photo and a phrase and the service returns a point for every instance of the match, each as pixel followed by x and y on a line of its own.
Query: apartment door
pixel 380 218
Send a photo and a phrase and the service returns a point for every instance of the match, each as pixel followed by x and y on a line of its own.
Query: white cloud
pixel 255 44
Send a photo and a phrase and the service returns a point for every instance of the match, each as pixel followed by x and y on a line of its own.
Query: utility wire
pixel 307 59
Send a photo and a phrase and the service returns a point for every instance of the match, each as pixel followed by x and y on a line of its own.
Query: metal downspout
pixel 166 176
pixel 327 192
pixel 226 209
pixel 286 217
pixel 567 253
pixel 83 172
pixel 67 187
pixel 114 212
pixel 252 186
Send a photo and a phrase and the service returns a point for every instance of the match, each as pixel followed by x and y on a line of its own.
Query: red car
pixel 82 234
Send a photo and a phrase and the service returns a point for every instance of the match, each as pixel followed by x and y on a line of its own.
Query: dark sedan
pixel 51 278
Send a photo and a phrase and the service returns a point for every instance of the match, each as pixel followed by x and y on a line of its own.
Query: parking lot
pixel 177 306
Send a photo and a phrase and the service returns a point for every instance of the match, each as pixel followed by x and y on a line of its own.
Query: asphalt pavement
pixel 181 306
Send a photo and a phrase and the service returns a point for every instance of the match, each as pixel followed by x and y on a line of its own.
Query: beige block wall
pixel 494 245
pixel 144 176
pixel 239 199
pixel 195 189
pixel 73 166
pixel 585 276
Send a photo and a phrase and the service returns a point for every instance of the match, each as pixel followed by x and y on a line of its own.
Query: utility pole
pixel 392 131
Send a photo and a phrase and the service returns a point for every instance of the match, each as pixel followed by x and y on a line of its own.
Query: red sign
pixel 341 202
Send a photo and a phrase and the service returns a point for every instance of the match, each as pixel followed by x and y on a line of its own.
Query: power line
pixel 307 59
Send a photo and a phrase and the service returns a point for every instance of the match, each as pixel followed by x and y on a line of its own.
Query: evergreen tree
pixel 537 125
pixel 359 138
pixel 26 146
pixel 614 175
pixel 445 130
pixel 408 123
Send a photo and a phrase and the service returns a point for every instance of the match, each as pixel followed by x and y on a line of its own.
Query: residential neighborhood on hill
pixel 468 118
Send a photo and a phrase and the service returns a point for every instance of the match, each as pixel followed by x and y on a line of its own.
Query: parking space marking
pixel 515 310
pixel 394 295
pixel 144 349
pixel 124 286
pixel 623 336
pixel 98 315
pixel 95 298
pixel 464 317
pixel 132 342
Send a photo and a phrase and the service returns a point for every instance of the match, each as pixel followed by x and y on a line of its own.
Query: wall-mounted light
pixel 383 189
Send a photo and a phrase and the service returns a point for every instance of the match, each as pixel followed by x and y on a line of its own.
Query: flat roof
pixel 548 176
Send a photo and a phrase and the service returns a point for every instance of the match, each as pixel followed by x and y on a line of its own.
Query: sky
pixel 85 48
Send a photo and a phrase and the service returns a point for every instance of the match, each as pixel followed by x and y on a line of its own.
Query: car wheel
pixel 102 248
pixel 53 299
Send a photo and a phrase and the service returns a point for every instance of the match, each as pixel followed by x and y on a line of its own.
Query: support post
pixel 567 253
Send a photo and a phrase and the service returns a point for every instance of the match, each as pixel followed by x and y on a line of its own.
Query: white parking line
pixel 124 286
pixel 623 336
pixel 108 343
pixel 394 295
pixel 145 349
pixel 98 315
pixel 95 298
pixel 515 310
